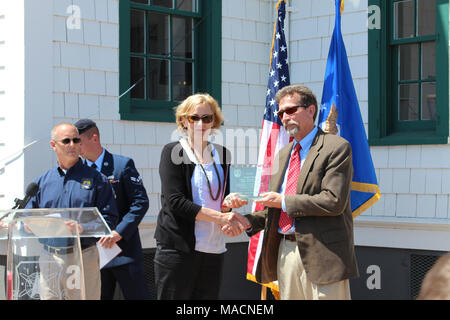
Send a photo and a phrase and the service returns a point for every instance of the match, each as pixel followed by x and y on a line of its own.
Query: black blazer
pixel 176 219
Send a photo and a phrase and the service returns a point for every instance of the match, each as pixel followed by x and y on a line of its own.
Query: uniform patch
pixel 86 184
pixel 137 180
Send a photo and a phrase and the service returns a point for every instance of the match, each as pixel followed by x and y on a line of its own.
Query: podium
pixel 44 260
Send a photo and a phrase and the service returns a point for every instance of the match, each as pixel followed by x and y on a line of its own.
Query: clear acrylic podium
pixel 44 260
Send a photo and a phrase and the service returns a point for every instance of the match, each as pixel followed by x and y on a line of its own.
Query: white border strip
pixel 405 233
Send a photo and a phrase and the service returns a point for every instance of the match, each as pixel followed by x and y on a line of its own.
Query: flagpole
pixel 263 287
pixel 263 292
pixel 273 136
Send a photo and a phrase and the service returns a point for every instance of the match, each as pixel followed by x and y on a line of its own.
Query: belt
pixel 58 250
pixel 63 250
pixel 290 237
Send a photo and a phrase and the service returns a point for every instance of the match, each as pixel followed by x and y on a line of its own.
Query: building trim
pixel 405 233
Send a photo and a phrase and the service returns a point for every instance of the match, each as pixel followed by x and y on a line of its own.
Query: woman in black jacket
pixel 194 181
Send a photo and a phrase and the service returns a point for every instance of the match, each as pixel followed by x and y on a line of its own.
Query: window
pixel 408 73
pixel 160 60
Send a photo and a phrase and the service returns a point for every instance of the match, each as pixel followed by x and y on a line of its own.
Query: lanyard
pixel 206 176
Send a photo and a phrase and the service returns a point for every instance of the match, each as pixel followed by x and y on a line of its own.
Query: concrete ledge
pixel 406 233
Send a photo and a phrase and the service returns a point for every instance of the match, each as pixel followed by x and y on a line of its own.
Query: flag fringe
pixel 272 286
pixel 366 205
pixel 365 187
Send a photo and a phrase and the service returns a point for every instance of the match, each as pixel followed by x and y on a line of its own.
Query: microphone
pixel 31 191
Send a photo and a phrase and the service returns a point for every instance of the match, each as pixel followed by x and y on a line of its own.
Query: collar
pixel 307 141
pixel 63 172
pixel 98 162
pixel 187 148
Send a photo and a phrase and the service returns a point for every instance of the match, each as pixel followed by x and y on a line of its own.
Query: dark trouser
pixel 131 280
pixel 182 276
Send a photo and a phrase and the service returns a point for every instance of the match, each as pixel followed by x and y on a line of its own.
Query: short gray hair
pixel 56 127
pixel 306 95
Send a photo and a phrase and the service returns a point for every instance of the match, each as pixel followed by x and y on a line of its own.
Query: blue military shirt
pixel 80 187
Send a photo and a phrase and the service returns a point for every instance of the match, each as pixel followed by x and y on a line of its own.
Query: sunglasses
pixel 207 118
pixel 67 141
pixel 290 110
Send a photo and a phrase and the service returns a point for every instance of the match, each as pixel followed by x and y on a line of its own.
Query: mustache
pixel 291 122
pixel 292 131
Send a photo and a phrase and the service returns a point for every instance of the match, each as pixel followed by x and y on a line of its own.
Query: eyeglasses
pixel 67 141
pixel 207 118
pixel 290 110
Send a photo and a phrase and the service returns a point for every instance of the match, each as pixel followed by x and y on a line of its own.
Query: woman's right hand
pixel 233 201
pixel 235 224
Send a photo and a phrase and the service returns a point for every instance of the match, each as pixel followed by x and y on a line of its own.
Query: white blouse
pixel 209 238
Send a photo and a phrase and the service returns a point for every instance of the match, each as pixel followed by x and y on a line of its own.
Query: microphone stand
pixel 17 203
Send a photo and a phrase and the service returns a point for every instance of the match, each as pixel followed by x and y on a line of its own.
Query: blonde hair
pixel 189 104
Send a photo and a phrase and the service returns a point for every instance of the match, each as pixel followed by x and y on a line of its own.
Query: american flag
pixel 273 136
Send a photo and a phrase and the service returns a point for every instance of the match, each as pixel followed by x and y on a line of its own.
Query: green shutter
pixel 207 66
pixel 384 129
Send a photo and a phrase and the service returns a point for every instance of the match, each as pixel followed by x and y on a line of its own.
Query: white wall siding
pixel 246 40
pixel 86 85
pixel 12 86
pixel 8 67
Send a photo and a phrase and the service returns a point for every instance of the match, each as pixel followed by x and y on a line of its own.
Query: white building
pixel 61 60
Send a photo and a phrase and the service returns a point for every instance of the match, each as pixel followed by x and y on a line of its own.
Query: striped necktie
pixel 286 222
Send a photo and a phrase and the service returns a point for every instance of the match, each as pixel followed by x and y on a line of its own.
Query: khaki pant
pixel 294 283
pixel 58 279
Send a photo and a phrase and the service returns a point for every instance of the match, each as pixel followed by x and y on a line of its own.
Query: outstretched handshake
pixel 234 223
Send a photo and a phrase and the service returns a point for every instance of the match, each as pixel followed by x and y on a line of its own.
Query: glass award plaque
pixel 242 181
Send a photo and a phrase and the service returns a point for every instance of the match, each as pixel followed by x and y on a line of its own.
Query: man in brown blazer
pixel 314 258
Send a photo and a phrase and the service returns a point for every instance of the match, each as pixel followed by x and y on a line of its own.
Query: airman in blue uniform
pixel 127 268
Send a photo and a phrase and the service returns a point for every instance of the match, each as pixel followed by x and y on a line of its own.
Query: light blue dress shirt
pixel 98 162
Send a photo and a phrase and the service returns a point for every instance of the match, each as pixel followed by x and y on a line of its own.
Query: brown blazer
pixel 322 213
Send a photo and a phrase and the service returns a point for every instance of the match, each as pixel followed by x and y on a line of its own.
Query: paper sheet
pixel 46 227
pixel 106 255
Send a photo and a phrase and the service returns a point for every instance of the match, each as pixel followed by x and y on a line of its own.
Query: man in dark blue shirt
pixel 127 268
pixel 72 184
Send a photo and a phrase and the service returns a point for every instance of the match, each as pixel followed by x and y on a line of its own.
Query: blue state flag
pixel 340 114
